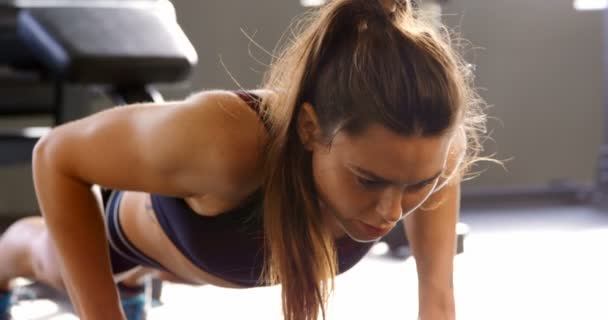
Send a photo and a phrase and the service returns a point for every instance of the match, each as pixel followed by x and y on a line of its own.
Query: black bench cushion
pixel 120 45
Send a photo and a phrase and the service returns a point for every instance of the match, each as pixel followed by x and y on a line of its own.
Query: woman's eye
pixel 369 183
pixel 416 187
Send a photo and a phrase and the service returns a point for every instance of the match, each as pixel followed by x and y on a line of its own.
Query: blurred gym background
pixel 537 226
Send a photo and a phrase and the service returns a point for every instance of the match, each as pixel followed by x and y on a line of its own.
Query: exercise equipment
pixel 122 46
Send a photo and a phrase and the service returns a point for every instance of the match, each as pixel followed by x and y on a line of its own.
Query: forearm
pixel 74 222
pixel 432 237
pixel 434 253
pixel 434 256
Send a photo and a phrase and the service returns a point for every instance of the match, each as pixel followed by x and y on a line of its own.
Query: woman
pixel 367 117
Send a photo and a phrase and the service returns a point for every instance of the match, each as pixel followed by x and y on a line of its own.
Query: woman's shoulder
pixel 239 137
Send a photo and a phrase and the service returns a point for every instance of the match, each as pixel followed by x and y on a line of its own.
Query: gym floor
pixel 525 262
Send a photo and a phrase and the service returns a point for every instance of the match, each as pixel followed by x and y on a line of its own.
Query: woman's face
pixel 367 183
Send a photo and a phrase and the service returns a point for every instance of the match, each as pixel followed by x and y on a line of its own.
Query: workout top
pixel 230 245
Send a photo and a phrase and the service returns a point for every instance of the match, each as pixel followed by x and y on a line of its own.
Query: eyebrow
pixel 374 176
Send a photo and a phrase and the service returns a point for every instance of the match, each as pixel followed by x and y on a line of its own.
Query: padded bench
pixel 124 46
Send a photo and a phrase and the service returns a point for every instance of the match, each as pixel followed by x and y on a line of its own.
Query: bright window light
pixel 35 132
pixel 312 3
pixel 586 5
pixel 37 309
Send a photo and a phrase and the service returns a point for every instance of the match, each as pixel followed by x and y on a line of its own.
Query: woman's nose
pixel 389 205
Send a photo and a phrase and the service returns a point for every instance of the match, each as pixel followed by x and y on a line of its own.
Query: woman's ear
pixel 308 126
pixel 389 5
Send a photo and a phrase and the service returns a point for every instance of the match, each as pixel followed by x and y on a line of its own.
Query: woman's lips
pixel 373 231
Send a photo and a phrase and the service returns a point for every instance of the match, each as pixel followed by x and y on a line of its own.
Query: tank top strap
pixel 253 101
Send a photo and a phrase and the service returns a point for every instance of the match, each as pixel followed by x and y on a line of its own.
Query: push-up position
pixel 367 117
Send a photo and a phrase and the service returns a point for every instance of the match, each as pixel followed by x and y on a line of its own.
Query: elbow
pixel 47 158
pixel 52 183
pixel 41 154
pixel 42 172
pixel 38 153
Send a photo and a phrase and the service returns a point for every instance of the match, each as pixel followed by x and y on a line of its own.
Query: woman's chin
pixel 362 237
pixel 361 232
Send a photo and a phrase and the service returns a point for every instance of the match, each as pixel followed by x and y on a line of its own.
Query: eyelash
pixel 374 184
pixel 417 187
pixel 370 184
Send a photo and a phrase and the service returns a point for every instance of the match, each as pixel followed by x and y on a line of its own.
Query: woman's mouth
pixel 373 231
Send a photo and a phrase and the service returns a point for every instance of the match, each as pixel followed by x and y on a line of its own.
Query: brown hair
pixel 357 64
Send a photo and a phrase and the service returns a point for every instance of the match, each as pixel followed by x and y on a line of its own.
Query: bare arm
pixel 432 237
pixel 179 149
pixel 431 231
